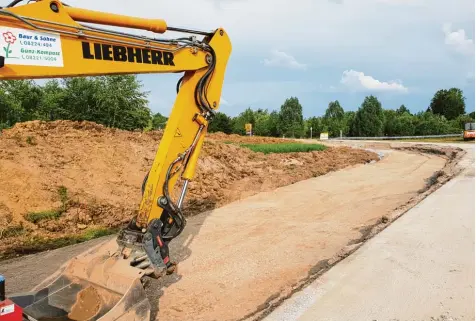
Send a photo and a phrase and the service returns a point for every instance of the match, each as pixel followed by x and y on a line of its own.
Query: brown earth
pixel 102 169
pixel 240 261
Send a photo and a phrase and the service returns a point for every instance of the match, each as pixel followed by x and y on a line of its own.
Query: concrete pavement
pixel 420 268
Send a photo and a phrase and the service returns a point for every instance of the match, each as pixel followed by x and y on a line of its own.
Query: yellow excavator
pixel 50 39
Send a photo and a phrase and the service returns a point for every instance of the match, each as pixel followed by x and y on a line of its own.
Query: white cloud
pixel 458 40
pixel 358 81
pixel 282 59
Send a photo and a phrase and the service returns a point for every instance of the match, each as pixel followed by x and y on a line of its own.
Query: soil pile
pixel 66 177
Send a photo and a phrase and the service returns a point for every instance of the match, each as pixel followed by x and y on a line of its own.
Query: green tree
pixel 273 124
pixel 246 117
pixel 11 110
pixel 457 124
pixel 123 101
pixel 334 119
pixel 428 123
pixel 369 119
pixel 27 94
pixel 349 117
pixel 390 117
pixel 449 103
pixel 159 121
pixel 402 110
pixel 114 101
pixel 317 125
pixel 403 125
pixel 220 123
pixel 291 122
pixel 52 103
pixel 261 123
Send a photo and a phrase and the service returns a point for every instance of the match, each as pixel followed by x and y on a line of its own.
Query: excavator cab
pixel 48 39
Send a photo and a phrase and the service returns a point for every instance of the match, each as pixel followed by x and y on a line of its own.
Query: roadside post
pixel 248 128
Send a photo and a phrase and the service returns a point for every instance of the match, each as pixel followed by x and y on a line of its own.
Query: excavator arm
pixel 49 39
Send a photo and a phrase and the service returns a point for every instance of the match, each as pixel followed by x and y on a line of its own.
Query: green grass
pixel 15 230
pixel 63 195
pixel 95 232
pixel 37 244
pixel 284 147
pixel 40 244
pixel 35 217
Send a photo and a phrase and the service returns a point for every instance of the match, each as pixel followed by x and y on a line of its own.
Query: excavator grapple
pixel 48 39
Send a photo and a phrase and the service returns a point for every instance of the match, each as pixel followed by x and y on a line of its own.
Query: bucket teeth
pixel 138 259
pixel 143 265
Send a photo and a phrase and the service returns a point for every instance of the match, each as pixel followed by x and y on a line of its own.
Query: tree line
pixel 114 101
pixel 119 101
pixel 445 115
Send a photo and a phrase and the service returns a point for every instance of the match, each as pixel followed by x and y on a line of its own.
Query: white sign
pixel 30 48
pixel 324 136
pixel 7 309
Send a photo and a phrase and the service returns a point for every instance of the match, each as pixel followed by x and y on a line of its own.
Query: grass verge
pixel 37 244
pixel 284 147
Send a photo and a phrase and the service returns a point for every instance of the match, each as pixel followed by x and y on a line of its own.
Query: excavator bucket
pixel 99 284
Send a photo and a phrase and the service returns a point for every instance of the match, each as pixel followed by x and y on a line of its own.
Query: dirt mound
pixel 61 179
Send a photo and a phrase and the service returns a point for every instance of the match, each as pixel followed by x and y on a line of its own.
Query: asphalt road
pixel 420 268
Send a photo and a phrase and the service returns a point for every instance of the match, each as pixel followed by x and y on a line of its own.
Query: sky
pixel 401 51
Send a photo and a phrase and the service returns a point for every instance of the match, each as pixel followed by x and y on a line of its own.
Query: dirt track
pixel 237 257
pixel 238 260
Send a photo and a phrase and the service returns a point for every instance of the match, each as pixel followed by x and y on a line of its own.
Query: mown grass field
pixel 284 147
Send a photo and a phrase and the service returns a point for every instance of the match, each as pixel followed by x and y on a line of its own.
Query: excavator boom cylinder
pixel 97 17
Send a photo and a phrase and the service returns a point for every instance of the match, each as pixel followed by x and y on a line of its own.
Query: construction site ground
pixel 269 225
pixel 419 268
pixel 65 181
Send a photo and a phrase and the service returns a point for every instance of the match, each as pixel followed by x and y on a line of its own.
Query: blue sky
pixel 401 51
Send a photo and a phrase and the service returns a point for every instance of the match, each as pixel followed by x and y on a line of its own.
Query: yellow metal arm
pixel 44 39
pixel 76 50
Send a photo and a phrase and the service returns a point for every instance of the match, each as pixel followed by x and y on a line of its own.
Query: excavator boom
pixel 48 39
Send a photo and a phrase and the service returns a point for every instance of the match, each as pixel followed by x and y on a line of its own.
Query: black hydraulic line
pixel 13 3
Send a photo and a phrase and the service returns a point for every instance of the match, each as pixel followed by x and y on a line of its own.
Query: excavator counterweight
pixel 48 39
